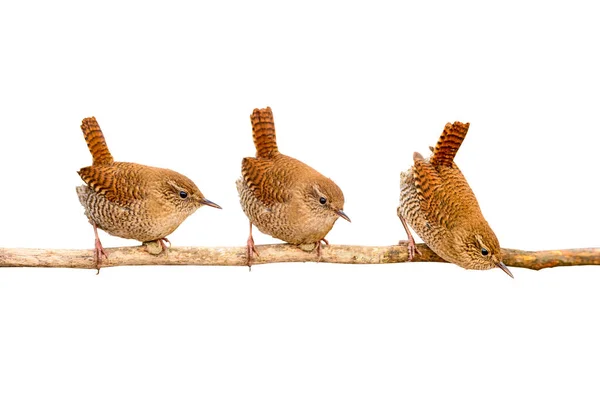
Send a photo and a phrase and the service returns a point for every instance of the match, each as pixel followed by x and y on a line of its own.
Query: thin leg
pixel 163 245
pixel 250 249
pixel 98 249
pixel 319 247
pixel 412 247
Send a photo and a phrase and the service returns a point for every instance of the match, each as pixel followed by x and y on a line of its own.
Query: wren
pixel 439 205
pixel 132 201
pixel 282 196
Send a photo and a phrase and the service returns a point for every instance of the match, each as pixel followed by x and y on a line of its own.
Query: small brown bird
pixel 130 200
pixel 439 205
pixel 282 196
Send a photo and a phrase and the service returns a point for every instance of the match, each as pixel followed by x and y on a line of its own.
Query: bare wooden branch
pixel 279 253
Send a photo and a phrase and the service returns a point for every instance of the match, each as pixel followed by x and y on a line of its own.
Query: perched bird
pixel 282 196
pixel 437 202
pixel 130 200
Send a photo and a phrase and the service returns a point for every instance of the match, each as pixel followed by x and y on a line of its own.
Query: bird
pixel 132 201
pixel 282 196
pixel 439 205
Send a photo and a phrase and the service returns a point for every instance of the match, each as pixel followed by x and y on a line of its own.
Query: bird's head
pixel 183 194
pixel 481 250
pixel 325 199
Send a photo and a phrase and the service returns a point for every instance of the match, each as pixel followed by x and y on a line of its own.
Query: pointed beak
pixel 207 202
pixel 343 215
pixel 504 268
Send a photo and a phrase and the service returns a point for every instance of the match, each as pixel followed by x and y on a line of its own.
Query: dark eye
pixel 322 200
pixel 183 194
pixel 484 252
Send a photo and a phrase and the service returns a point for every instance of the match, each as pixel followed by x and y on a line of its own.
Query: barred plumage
pixel 132 201
pixel 439 205
pixel 263 133
pixel 281 195
pixel 95 140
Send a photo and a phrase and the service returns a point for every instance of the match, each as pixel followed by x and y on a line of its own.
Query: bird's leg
pixel 319 246
pixel 412 247
pixel 163 245
pixel 157 246
pixel 98 249
pixel 250 249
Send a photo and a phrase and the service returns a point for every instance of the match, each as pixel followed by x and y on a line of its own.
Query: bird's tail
pixel 95 141
pixel 449 143
pixel 263 133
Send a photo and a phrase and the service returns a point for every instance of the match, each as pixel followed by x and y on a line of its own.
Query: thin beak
pixel 343 215
pixel 505 269
pixel 207 202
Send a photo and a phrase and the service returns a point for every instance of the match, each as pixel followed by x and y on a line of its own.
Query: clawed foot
pixel 163 242
pixel 411 247
pixel 250 251
pixel 158 246
pixel 98 254
pixel 319 246
pixel 98 249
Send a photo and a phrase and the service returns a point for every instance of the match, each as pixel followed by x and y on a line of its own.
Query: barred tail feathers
pixel 96 142
pixel 449 143
pixel 263 133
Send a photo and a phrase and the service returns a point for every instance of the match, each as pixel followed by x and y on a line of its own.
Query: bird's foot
pixel 319 246
pixel 98 254
pixel 158 246
pixel 163 242
pixel 251 251
pixel 411 247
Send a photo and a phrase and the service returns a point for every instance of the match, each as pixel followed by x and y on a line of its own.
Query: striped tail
pixel 95 141
pixel 449 143
pixel 263 133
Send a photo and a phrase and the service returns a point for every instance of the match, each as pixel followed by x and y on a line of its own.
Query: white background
pixel 355 89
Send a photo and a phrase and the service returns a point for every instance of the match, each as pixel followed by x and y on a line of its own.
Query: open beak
pixel 504 268
pixel 343 215
pixel 207 202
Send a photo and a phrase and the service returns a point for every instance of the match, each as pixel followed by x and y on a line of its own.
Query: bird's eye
pixel 322 200
pixel 183 194
pixel 484 252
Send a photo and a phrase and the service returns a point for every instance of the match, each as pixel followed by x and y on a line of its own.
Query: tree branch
pixel 279 253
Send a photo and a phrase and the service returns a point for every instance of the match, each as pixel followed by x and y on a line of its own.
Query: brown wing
pixel 449 143
pixel 444 194
pixel 118 182
pixel 427 184
pixel 266 183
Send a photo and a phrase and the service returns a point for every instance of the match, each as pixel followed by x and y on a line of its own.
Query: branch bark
pixel 279 253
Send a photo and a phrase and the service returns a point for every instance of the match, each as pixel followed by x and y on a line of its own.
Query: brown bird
pixel 439 205
pixel 130 200
pixel 282 196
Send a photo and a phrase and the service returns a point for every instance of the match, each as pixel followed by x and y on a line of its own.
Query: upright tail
pixel 449 143
pixel 263 133
pixel 95 141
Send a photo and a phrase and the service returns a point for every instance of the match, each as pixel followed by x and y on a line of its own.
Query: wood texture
pixel 279 253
